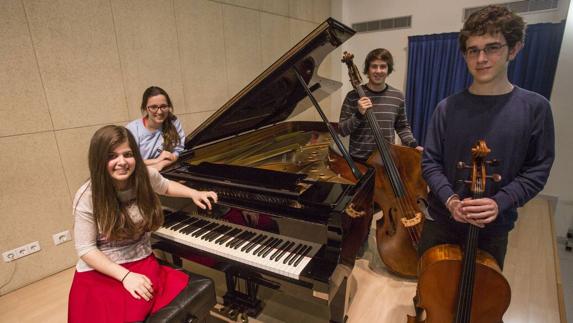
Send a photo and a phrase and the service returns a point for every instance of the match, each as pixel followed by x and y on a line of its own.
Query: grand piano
pixel 292 205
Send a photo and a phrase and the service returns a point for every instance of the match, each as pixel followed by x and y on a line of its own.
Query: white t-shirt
pixel 87 237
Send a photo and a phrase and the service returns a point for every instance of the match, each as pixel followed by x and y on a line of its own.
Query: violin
pixel 463 285
pixel 400 191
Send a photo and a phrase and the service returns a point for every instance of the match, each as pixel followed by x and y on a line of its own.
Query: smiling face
pixel 121 165
pixel 489 66
pixel 377 72
pixel 157 110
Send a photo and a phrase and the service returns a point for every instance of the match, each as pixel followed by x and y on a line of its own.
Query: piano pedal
pixel 244 317
pixel 233 313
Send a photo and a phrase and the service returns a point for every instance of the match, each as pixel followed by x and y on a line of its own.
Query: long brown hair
pixel 170 136
pixel 110 214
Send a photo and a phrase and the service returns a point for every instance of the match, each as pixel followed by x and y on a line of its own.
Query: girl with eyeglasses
pixel 117 277
pixel 158 133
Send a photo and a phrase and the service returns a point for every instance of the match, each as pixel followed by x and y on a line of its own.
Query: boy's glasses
pixel 490 49
pixel 154 108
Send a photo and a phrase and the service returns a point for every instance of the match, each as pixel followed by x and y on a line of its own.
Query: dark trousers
pixel 436 233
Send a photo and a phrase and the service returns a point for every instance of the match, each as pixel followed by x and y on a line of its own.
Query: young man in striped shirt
pixel 388 106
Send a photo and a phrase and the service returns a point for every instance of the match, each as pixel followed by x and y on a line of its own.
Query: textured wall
pixel 68 67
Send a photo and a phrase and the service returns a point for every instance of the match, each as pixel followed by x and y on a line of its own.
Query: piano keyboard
pixel 265 250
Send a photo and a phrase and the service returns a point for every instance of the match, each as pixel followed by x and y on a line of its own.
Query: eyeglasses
pixel 490 49
pixel 154 108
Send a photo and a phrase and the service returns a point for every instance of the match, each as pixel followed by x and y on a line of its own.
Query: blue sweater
pixel 151 142
pixel 517 127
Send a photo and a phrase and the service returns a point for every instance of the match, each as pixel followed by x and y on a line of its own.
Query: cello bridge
pixel 417 219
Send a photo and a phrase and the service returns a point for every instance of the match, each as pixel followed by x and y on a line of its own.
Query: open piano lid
pixel 273 96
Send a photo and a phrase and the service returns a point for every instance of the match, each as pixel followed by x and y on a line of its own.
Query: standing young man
pixel 516 124
pixel 387 104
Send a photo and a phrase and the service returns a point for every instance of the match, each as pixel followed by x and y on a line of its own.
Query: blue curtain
pixel 436 69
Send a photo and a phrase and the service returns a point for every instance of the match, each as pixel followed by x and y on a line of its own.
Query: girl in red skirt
pixel 117 277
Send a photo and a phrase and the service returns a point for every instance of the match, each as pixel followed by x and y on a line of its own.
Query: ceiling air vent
pixel 520 6
pixel 383 24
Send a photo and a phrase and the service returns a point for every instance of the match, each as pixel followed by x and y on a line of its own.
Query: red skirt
pixel 95 297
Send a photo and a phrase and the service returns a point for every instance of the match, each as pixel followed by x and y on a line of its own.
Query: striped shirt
pixel 389 111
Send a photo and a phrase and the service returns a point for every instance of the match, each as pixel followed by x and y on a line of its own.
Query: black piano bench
pixel 192 305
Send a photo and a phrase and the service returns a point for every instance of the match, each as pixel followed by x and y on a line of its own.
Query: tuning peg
pixel 494 177
pixel 493 162
pixel 463 181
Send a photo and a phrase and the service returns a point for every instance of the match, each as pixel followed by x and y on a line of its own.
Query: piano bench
pixel 192 305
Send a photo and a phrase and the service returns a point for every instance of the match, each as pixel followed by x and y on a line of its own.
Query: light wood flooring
pixel 532 270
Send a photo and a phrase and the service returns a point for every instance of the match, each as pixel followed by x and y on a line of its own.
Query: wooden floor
pixel 374 295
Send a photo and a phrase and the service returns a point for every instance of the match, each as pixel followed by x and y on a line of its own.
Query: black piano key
pixel 192 227
pixel 293 253
pixel 255 243
pixel 228 236
pixel 215 232
pixel 181 224
pixel 204 230
pixel 212 232
pixel 244 241
pixel 300 252
pixel 240 237
pixel 219 232
pixel 207 230
pixel 271 247
pixel 264 246
pixel 285 250
pixel 304 253
pixel 280 249
pixel 173 219
pixel 252 242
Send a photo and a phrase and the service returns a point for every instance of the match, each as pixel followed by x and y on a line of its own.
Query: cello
pixel 463 286
pixel 400 191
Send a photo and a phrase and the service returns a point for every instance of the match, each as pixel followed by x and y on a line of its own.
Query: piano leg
pixel 337 294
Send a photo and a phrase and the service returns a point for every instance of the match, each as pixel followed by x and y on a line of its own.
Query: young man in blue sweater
pixel 516 124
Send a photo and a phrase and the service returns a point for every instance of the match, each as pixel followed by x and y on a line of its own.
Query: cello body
pixel 393 239
pixel 438 283
pixel 463 285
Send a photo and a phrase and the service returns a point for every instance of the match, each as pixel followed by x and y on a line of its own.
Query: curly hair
pixel 493 19
pixel 381 54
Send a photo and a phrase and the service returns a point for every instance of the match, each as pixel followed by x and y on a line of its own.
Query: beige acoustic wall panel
pixel 77 53
pixel 279 7
pixel 301 9
pixel 275 37
pixel 148 50
pixel 298 30
pixel 242 29
pixel 202 52
pixel 74 146
pixel 251 4
pixel 320 10
pixel 24 108
pixel 34 203
pixel 190 121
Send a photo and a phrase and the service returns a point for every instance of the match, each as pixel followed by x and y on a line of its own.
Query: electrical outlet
pixel 61 237
pixel 9 256
pixel 33 247
pixel 21 251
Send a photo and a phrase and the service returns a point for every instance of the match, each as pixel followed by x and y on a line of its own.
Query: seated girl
pixel 158 133
pixel 117 278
